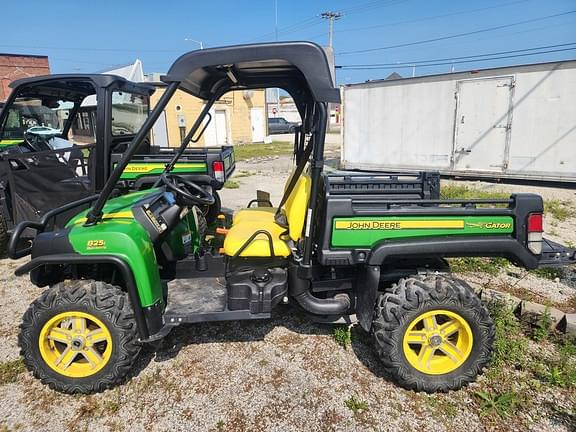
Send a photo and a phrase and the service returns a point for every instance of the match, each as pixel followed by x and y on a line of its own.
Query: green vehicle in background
pixel 342 247
pixel 52 153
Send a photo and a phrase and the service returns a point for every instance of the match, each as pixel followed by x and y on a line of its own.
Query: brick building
pixel 16 66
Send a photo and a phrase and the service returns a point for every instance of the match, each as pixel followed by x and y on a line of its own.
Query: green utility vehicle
pixel 52 153
pixel 341 247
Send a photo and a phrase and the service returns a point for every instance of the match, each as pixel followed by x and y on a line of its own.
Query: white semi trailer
pixel 513 122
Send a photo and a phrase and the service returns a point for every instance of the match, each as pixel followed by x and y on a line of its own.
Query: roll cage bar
pixel 300 68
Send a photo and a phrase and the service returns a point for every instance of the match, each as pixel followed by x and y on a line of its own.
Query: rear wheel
pixel 432 333
pixel 80 337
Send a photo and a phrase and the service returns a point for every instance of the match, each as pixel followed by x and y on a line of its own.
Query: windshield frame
pixel 34 92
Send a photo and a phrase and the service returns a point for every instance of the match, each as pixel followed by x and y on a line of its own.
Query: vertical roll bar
pixel 95 212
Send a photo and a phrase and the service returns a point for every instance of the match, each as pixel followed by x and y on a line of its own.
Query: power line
pixel 132 50
pixel 316 19
pixel 456 35
pixel 297 26
pixel 371 6
pixel 423 62
pixel 405 65
pixel 463 12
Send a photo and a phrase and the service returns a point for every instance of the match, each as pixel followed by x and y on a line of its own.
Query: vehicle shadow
pixel 363 349
pixel 287 316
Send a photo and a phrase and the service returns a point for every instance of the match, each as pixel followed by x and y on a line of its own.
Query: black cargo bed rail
pixel 363 184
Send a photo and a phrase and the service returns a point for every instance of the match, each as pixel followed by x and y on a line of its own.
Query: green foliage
pixel 342 336
pixel 10 370
pixel 453 191
pixel 473 265
pixel 503 404
pixel 542 328
pixel 231 184
pixel 560 377
pixel 442 405
pixel 244 174
pixel 510 344
pixel 559 209
pixel 356 405
pixel 561 370
pixel 249 151
pixel 550 273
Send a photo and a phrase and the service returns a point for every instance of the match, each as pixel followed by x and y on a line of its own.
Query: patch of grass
pixel 561 371
pixel 276 148
pixel 356 405
pixel 231 184
pixel 550 273
pixel 442 405
pixel 342 336
pixel 491 266
pixel 10 370
pixel 510 344
pixel 502 404
pixel 542 329
pixel 244 174
pixel 453 191
pixel 570 244
pixel 559 209
pixel 559 376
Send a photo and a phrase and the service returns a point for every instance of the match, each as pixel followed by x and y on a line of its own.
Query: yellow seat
pixel 260 246
pixel 260 213
pixel 248 221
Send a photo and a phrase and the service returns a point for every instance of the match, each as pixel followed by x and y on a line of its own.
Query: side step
pixel 202 299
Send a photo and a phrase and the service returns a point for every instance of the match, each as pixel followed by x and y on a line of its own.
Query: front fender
pixel 129 242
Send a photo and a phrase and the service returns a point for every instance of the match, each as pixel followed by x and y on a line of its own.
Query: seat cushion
pixel 255 213
pixel 242 230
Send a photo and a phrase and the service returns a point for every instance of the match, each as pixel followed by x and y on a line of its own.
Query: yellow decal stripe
pixel 117 215
pixel 139 168
pixel 399 224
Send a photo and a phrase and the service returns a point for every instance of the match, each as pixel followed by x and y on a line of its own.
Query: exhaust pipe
pixel 300 290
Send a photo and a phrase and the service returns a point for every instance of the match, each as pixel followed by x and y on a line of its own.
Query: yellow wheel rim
pixel 437 342
pixel 75 344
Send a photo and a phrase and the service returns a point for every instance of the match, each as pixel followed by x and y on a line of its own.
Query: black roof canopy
pixel 79 84
pixel 301 68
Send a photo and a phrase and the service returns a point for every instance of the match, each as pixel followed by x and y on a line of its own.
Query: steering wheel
pixel 37 142
pixel 191 193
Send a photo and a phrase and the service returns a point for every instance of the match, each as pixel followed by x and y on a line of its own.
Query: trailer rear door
pixel 483 123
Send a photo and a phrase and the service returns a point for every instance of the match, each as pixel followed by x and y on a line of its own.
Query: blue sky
pixel 89 36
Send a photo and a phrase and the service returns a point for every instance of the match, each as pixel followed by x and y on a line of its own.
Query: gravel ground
pixel 286 374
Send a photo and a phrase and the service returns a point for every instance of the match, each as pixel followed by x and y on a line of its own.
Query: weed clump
pixel 355 404
pixel 342 336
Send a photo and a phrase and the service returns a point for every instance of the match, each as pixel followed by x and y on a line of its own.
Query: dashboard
pixel 158 214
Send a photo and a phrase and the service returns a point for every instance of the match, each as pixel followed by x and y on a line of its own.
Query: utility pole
pixel 331 17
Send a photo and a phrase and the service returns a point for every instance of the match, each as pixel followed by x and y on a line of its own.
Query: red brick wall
pixel 14 66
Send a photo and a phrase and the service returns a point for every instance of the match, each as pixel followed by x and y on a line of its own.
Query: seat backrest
pixel 296 206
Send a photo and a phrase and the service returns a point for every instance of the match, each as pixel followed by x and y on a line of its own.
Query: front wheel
pixel 432 333
pixel 80 337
